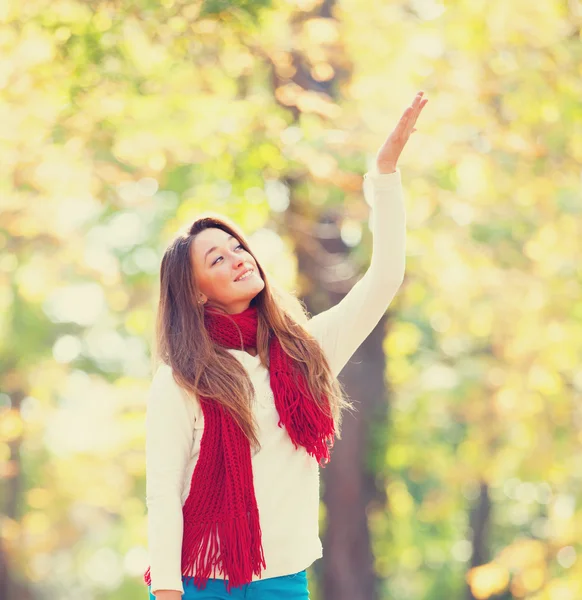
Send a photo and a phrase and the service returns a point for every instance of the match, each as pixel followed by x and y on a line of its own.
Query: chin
pixel 258 288
pixel 249 293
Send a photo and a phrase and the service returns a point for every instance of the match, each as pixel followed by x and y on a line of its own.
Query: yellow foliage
pixel 403 339
pixel 10 529
pixel 11 425
pixel 487 580
pixel 521 554
pixel 35 523
pixel 400 501
pixel 533 577
pixel 38 498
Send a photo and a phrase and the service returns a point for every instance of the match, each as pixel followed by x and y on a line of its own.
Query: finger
pixel 404 120
pixel 417 99
pixel 419 103
pixel 414 107
pixel 412 123
pixel 409 131
pixel 410 115
pixel 415 111
pixel 419 110
pixel 413 115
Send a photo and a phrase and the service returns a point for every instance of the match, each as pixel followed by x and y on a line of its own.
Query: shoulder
pixel 165 388
pixel 163 375
pixel 166 395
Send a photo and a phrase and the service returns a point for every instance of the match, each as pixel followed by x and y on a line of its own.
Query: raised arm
pixel 169 437
pixel 342 329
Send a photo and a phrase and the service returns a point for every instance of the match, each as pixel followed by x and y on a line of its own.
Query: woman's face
pixel 219 260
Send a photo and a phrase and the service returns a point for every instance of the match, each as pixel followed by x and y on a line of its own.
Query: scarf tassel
pixel 241 554
pixel 311 428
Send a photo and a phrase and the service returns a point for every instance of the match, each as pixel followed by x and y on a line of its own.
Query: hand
pixel 388 154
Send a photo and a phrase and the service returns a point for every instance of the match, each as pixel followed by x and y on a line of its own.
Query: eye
pixel 236 247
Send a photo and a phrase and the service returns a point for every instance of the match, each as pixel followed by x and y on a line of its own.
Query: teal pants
pixel 286 587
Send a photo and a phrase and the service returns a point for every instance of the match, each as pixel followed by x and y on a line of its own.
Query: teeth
pixel 247 274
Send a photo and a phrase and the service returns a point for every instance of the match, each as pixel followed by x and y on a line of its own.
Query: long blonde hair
pixel 206 369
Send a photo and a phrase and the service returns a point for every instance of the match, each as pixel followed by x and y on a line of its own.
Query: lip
pixel 244 273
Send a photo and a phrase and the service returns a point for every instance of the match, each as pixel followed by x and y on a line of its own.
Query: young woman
pixel 244 406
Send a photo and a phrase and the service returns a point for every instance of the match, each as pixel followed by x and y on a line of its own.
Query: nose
pixel 237 260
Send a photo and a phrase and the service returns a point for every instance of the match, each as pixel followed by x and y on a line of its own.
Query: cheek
pixel 217 278
pixel 210 280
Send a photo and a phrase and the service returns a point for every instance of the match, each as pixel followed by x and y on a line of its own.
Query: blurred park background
pixel 460 477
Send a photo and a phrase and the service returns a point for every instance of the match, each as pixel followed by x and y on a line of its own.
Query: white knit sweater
pixel 286 480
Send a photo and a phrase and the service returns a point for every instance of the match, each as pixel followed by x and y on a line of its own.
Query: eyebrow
pixel 230 237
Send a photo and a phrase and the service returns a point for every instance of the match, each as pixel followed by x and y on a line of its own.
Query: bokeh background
pixel 121 120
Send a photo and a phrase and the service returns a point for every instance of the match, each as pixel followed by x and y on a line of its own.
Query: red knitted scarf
pixel 221 517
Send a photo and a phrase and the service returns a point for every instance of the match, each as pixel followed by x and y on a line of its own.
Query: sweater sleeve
pixel 169 436
pixel 342 328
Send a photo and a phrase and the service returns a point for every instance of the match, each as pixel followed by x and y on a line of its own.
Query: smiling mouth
pixel 245 275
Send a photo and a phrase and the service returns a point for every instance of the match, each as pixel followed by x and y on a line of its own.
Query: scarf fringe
pixel 202 553
pixel 309 426
pixel 232 546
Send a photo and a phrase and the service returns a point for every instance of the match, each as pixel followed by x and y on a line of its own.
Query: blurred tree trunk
pixel 4 581
pixel 479 520
pixel 349 486
pixel 11 493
